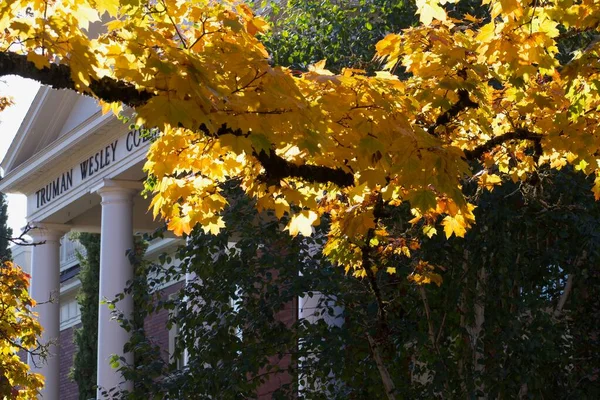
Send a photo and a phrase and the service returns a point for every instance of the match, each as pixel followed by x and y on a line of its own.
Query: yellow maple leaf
pixel 430 9
pixel 302 223
pixel 109 6
pixel 429 230
pixel 179 225
pixel 39 60
pixel 319 68
pixel 84 14
pixel 213 226
pixel 489 181
pixel 454 225
pixel 486 33
pixel 281 207
pixel 596 188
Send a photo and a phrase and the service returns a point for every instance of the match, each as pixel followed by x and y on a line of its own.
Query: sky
pixel 22 92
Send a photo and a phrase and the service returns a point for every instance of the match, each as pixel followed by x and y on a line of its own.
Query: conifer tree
pixel 5 231
pixel 84 365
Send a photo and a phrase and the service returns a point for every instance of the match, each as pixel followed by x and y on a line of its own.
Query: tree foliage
pixel 84 363
pixel 516 315
pixel 343 32
pixel 239 283
pixel 484 98
pixel 5 230
pixel 306 144
pixel 19 332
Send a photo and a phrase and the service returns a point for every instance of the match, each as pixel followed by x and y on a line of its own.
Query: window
pixel 70 313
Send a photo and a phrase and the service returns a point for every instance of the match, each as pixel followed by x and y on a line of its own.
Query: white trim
pixel 66 301
pixel 155 248
pixel 106 183
pixel 64 325
pixel 18 180
pixel 25 126
pixel 64 267
pixel 70 287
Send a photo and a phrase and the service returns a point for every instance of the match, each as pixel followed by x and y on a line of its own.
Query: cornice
pixel 19 180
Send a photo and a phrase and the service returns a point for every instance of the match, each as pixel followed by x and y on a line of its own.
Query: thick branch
pixel 519 134
pixel 58 76
pixel 382 324
pixel 277 168
pixel 383 328
pixel 564 296
pixel 431 330
pixel 386 379
pixel 462 104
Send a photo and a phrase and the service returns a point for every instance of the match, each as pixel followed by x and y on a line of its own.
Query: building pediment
pixel 41 125
pixel 58 124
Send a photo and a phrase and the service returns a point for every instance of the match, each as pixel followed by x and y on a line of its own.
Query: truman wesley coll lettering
pixel 89 167
pixel 99 161
pixel 54 188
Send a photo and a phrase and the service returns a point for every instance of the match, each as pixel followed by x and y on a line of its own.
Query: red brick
pixel 68 388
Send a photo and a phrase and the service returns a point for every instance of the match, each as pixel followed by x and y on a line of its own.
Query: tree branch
pixel 58 76
pixel 462 104
pixel 564 296
pixel 22 240
pixel 383 330
pixel 386 379
pixel 518 134
pixel 277 168
pixel 431 330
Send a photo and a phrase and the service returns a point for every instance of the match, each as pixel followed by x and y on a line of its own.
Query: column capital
pixel 43 231
pixel 113 190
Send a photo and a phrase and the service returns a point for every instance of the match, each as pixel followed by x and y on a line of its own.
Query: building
pixel 81 171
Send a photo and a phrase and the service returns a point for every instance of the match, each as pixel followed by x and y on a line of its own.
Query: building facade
pixel 80 171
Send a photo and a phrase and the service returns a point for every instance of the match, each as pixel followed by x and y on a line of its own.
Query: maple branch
pixel 278 168
pixel 575 32
pixel 58 76
pixel 383 330
pixel 431 330
pixel 519 134
pixel 462 104
pixel 183 41
pixel 368 267
pixel 386 379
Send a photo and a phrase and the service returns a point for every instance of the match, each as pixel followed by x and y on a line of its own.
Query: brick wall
pixel 68 388
pixel 155 327
pixel 288 315
pixel 156 324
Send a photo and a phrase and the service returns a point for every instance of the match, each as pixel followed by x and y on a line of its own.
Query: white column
pixel 45 290
pixel 115 271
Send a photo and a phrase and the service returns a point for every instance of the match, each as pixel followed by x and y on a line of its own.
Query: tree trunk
pixel 388 384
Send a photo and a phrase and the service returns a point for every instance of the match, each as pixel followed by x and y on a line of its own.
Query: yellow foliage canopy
pixel 314 143
pixel 19 331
